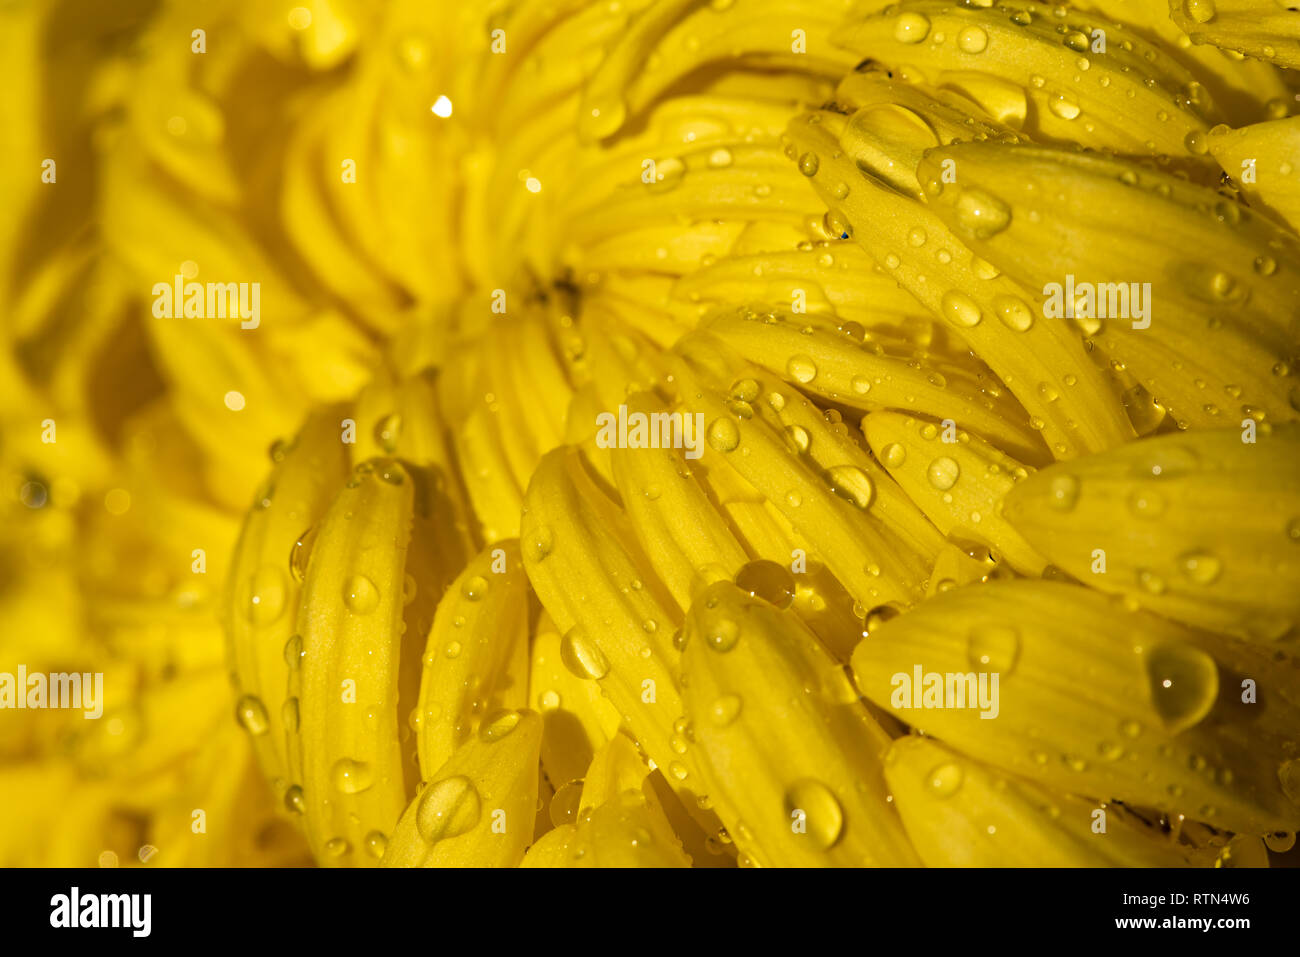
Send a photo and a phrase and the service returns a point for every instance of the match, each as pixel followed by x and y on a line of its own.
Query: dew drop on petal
pixel 581 655
pixel 945 780
pixel 360 595
pixel 448 808
pixel 943 473
pixel 351 777
pixel 824 817
pixel 1184 683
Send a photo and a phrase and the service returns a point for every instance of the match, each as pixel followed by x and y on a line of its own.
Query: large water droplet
pixel 981 214
pixel 851 484
pixel 771 581
pixel 972 40
pixel 723 435
pixel 498 725
pixel 1013 313
pixel 448 808
pixel 581 655
pixel 893 455
pixel 824 817
pixel 1184 684
pixel 1064 106
pixel 943 473
pixel 725 710
pixel 960 309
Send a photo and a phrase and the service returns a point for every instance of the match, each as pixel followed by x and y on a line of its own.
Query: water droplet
pixel 1200 567
pixel 837 225
pixel 387 432
pixel 351 777
pixel 801 368
pixel 360 595
pixel 1184 684
pixel 768 580
pixel 721 634
pixel 993 648
pixel 376 844
pixel 251 715
pixel 267 590
pixel 1200 11
pixel 724 710
pixel 851 484
pixel 1013 313
pixel 808 164
pixel 300 553
pixel 960 309
pixel 293 652
pixel 981 214
pixel 972 40
pixel 447 808
pixel 824 817
pixel 893 455
pixel 1063 492
pixel 1064 106
pixel 916 237
pixel 289 715
pixel 945 780
pixel 1280 842
pixel 943 473
pixel 475 588
pixel 498 725
pixel 294 801
pixel 860 384
pixel 540 542
pixel 581 655
pixel 911 28
pixel 723 435
pixel 1076 41
pixel 799 437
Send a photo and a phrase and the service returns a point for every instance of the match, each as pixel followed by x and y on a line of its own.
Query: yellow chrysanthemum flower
pixel 701 433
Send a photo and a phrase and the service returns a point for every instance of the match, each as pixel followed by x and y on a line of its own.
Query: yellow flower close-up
pixel 650 433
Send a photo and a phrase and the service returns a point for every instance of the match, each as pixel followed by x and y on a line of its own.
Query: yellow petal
pixel 1199 526
pixel 1094 700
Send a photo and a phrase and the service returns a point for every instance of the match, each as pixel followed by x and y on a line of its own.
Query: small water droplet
pixel 351 777
pixel 360 595
pixel 251 715
pixel 945 780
